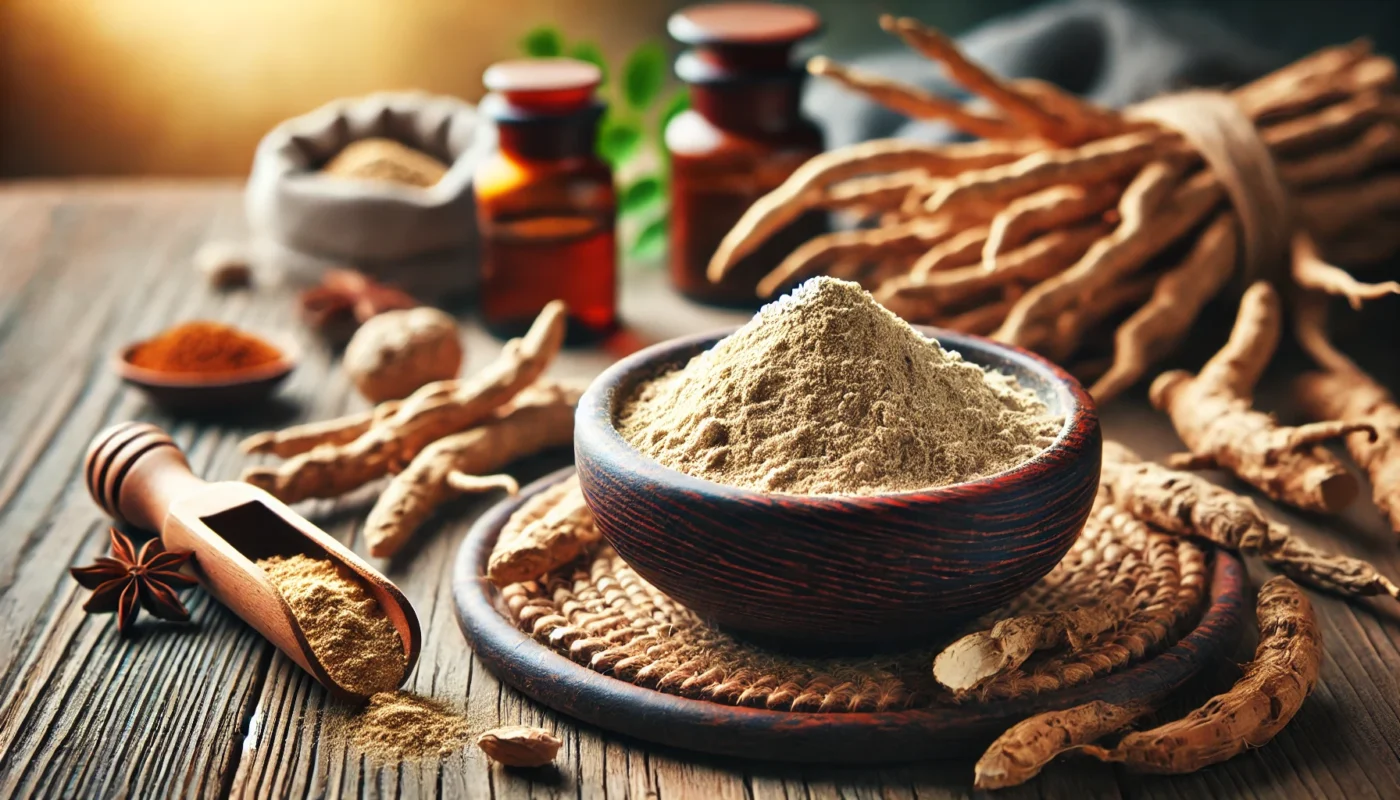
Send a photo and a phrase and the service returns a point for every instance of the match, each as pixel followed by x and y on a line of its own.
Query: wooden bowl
pixel 826 570
pixel 195 393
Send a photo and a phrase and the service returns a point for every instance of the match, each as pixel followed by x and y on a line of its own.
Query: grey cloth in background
pixel 1111 52
pixel 423 240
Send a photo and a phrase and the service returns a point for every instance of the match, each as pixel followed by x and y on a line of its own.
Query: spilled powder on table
pixel 362 651
pixel 347 630
pixel 826 392
pixel 402 726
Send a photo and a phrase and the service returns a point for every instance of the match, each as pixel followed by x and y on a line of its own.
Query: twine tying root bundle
pixel 1176 199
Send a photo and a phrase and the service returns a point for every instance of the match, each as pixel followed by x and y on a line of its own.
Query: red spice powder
pixel 205 348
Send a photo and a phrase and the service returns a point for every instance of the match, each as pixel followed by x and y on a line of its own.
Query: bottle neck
pixel 751 107
pixel 541 136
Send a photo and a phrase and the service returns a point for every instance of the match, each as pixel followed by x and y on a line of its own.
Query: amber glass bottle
pixel 545 201
pixel 743 136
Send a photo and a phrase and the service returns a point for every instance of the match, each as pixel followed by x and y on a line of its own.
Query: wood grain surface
pixel 210 709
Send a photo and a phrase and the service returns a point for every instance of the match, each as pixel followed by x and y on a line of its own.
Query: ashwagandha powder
pixel 343 623
pixel 826 392
pixel 402 726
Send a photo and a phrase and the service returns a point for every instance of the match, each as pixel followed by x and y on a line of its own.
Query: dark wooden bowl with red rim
pixel 840 570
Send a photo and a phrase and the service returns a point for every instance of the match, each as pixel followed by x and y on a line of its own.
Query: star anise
pixel 128 580
pixel 346 298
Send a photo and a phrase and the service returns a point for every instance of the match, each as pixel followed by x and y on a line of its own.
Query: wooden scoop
pixel 137 474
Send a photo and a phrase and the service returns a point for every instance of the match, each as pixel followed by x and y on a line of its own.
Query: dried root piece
pixel 540 418
pixel 976 659
pixel 432 412
pixel 1211 413
pixel 299 439
pixel 912 101
pixel 1023 751
pixel 1035 261
pixel 1019 106
pixel 1046 210
pixel 1150 223
pixel 1352 395
pixel 1074 324
pixel 1330 211
pixel 959 250
pixel 1305 134
pixel 1312 273
pixel 1184 504
pixel 1181 503
pixel 1379 145
pixel 1096 162
pixel 1272 689
pixel 807 187
pixel 913 236
pixel 562 534
pixel 519 746
pixel 1159 325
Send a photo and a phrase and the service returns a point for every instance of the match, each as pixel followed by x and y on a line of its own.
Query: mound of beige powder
pixel 343 623
pixel 826 392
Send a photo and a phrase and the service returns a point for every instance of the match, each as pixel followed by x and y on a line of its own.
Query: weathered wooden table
pixel 210 709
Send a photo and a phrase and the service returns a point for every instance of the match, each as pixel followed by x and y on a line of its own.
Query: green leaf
pixel 618 140
pixel 641 195
pixel 675 104
pixel 593 54
pixel 650 241
pixel 643 75
pixel 543 42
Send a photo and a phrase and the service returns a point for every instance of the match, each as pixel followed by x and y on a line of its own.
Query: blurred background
pixel 187 87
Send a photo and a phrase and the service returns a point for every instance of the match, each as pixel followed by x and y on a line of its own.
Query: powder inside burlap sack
pixel 343 623
pixel 824 391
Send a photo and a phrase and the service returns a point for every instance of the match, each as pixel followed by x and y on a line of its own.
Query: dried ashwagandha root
pixel 519 746
pixel 1342 390
pixel 1184 504
pixel 561 533
pixel 1272 689
pixel 1023 751
pixel 977 658
pixel 539 418
pixel 299 439
pixel 434 411
pixel 1212 414
pixel 1259 705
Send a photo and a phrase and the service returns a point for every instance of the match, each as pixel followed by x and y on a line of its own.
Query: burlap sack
pixel 423 240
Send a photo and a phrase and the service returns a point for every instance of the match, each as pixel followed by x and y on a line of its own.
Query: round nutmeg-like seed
pixel 519 746
pixel 396 352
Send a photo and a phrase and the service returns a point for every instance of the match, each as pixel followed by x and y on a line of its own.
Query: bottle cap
pixel 743 23
pixel 554 85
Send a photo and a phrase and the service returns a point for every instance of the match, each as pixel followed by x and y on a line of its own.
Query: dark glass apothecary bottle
pixel 546 206
pixel 743 136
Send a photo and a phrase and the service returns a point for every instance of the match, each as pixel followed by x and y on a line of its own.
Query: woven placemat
pixel 601 614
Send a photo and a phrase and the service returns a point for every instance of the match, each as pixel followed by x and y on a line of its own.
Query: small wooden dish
pixel 137 474
pixel 191 392
pixel 876 569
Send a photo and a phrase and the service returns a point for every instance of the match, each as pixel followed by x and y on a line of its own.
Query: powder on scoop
pixel 343 623
pixel 826 392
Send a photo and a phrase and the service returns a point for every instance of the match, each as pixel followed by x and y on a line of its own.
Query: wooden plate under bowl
pixel 853 738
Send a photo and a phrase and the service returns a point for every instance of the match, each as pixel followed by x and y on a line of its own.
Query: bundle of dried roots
pixel 1068 225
